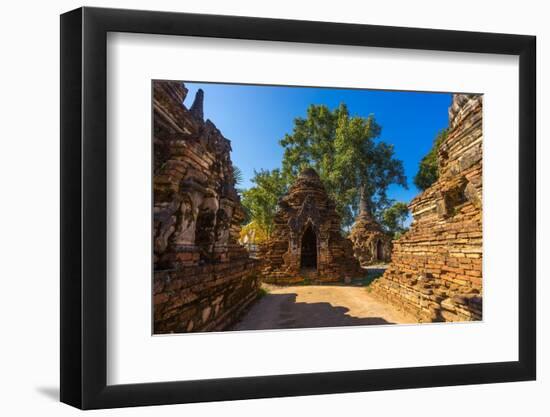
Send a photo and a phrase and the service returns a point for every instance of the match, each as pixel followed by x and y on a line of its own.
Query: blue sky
pixel 256 117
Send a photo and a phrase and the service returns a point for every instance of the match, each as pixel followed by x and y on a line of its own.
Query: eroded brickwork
pixel 306 243
pixel 203 278
pixel 371 245
pixel 436 267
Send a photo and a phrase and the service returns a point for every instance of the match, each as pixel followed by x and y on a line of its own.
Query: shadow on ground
pixel 281 311
pixel 49 392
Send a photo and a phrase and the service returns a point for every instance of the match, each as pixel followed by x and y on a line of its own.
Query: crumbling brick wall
pixel 203 278
pixel 436 267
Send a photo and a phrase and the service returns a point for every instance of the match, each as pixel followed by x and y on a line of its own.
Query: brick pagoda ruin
pixel 306 243
pixel 371 244
pixel 436 268
pixel 203 279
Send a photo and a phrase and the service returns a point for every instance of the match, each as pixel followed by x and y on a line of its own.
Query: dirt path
pixel 319 306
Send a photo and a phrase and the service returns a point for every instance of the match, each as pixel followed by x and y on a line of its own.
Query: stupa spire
pixel 197 106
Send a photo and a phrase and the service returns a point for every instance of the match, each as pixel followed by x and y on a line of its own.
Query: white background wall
pixel 29 225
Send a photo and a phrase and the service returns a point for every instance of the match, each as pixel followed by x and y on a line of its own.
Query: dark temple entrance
pixel 379 250
pixel 309 249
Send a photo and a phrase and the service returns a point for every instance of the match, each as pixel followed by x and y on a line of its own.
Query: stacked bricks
pixel 436 267
pixel 203 278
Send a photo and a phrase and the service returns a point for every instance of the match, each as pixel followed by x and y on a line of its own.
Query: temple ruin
pixel 306 244
pixel 371 244
pixel 436 267
pixel 203 279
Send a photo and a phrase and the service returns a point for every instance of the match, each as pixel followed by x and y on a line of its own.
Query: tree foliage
pixel 394 217
pixel 237 175
pixel 253 234
pixel 428 171
pixel 343 151
pixel 260 201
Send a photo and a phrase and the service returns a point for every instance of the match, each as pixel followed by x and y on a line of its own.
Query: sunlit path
pixel 319 306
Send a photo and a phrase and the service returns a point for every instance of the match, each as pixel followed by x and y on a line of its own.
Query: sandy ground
pixel 319 306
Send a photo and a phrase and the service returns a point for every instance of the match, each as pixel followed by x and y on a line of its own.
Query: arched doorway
pixel 379 250
pixel 309 249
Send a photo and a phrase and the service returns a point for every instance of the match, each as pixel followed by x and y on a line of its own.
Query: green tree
pixel 343 151
pixel 428 170
pixel 260 201
pixel 394 217
pixel 237 175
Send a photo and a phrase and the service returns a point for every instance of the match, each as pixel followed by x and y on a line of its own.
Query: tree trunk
pixel 364 202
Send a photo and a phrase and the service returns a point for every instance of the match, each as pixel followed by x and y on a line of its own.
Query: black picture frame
pixel 84 207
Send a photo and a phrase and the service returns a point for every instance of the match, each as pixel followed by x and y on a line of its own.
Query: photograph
pixel 295 207
pixel 275 209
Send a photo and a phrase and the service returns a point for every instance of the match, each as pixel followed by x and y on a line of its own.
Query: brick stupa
pixel 306 243
pixel 371 244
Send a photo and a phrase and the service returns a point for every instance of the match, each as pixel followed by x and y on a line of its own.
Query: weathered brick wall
pixel 436 267
pixel 203 277
pixel 203 298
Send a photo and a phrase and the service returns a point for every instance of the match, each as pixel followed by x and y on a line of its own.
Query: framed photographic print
pixel 256 208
